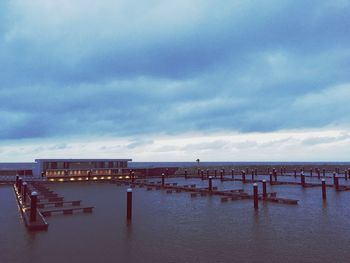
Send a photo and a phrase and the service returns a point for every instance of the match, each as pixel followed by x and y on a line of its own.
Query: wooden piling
pixel 336 181
pixel 33 206
pixel 210 185
pixel 24 192
pixel 264 188
pixel 129 204
pixel 163 179
pixel 271 182
pixel 255 193
pixel 243 177
pixel 324 194
pixel 302 179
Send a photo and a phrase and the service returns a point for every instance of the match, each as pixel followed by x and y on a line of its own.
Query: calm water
pixel 178 228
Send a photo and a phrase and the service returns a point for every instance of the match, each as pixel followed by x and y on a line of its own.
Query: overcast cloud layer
pixel 132 68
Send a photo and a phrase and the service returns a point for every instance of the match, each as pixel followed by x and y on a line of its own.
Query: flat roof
pixel 82 160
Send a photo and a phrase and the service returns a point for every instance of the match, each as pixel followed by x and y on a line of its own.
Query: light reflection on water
pixel 178 228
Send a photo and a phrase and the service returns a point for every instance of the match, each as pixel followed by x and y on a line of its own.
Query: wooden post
pixel 255 193
pixel 210 184
pixel 243 177
pixel 264 188
pixel 185 174
pixel 233 173
pixel 24 192
pixel 215 173
pixel 17 180
pixel 324 172
pixel 324 193
pixel 129 204
pixel 271 182
pixel 295 173
pixel 33 206
pixel 20 185
pixel 336 181
pixel 302 179
pixel 208 173
pixel 221 175
pixel 202 174
pixel 163 179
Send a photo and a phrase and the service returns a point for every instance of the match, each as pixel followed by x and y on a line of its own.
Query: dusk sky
pixel 175 80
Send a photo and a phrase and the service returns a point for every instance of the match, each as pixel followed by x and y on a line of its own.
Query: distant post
pixel 255 194
pixel 302 179
pixel 33 206
pixel 324 193
pixel 129 204
pixel 210 186
pixel 264 188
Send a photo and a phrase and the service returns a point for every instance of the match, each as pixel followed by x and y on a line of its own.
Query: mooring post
pixel 24 192
pixel 202 174
pixel 318 173
pixel 33 206
pixel 302 179
pixel 255 191
pixel 275 175
pixel 198 171
pixel 210 184
pixel 233 173
pixel 17 179
pixel 324 193
pixel 264 188
pixel 346 175
pixel 243 177
pixel 163 179
pixel 221 175
pixel 129 204
pixel 132 176
pixel 311 172
pixel 271 182
pixel 208 173
pixel 256 172
pixel 324 172
pixel 335 181
pixel 20 181
pixel 215 173
pixel 295 173
pixel 185 174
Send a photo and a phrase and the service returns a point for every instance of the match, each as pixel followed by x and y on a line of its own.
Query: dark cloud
pixel 247 66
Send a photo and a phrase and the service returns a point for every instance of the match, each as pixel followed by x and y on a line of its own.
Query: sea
pixel 175 227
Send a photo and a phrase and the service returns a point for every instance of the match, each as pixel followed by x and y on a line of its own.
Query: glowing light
pixel 102 177
pixel 94 178
pixel 72 179
pixel 120 177
pixel 127 177
pixel 109 177
pixel 79 179
pixel 61 180
pixel 51 180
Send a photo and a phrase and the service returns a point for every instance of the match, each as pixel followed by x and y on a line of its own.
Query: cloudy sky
pixel 175 80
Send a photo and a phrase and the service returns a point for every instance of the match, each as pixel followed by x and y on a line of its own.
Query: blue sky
pixel 175 80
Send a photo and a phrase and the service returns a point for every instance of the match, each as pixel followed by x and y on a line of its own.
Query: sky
pixel 175 80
